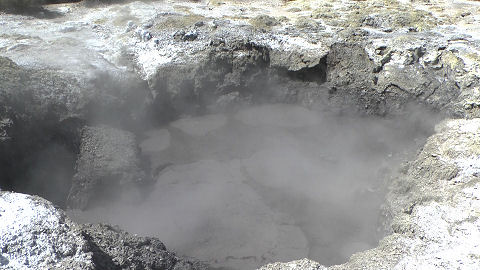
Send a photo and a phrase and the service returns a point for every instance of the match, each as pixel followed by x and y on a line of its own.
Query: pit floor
pixel 268 183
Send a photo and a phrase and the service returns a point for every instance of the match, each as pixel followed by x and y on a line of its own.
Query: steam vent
pixel 239 134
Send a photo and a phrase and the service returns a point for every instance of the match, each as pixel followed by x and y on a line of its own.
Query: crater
pixel 232 160
pixel 267 183
pixel 271 175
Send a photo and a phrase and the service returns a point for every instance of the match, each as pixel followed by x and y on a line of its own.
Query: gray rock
pixel 185 36
pixel 190 36
pixel 20 4
pixel 41 108
pixel 34 234
pixel 433 206
pixel 108 163
pixel 179 35
pixel 117 249
pixel 143 34
pixel 304 264
pixel 199 24
pixel 308 24
pixel 130 26
pixel 264 21
pixel 35 106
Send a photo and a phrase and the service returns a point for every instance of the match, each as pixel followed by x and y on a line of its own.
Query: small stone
pixel 199 24
pixel 264 21
pixel 147 25
pixel 178 36
pixel 217 23
pixel 130 26
pixel 295 9
pixel 147 36
pixel 191 36
pixel 3 261
pixel 181 35
pixel 144 35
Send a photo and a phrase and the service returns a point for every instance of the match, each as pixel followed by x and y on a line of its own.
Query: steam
pixel 46 173
pixel 239 190
pixel 20 4
pixel 268 183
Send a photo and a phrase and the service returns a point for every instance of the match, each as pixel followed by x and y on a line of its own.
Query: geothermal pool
pixel 267 183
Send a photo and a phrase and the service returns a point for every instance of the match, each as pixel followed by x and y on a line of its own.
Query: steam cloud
pixel 239 190
pixel 20 4
pixel 268 183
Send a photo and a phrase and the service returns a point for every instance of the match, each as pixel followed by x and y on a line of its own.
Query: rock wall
pixel 433 206
pixel 42 116
pixel 33 116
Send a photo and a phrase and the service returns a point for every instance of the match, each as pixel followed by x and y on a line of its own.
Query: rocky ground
pixel 34 234
pixel 71 67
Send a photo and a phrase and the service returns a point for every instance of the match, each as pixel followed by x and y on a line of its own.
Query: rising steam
pixel 268 183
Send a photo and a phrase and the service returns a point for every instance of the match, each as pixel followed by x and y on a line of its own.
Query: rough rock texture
pixel 434 205
pixel 37 108
pixel 381 82
pixel 364 62
pixel 25 97
pixel 126 251
pixel 205 56
pixel 304 264
pixel 41 107
pixel 30 3
pixel 107 163
pixel 34 234
pixel 200 55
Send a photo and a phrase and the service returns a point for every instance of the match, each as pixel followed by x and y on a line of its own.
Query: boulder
pixel 108 163
pixel 114 248
pixel 35 234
